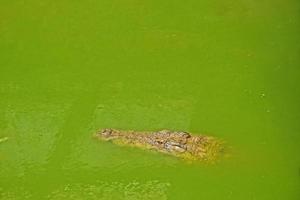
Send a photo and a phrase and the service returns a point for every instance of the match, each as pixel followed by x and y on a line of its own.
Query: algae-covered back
pixel 190 147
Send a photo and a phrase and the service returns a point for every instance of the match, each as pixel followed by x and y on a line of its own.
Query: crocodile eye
pixel 160 142
pixel 185 134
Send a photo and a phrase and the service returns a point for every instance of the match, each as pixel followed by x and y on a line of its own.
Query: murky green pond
pixel 230 69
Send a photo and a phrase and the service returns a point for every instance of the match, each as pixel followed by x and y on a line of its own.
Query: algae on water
pixel 3 139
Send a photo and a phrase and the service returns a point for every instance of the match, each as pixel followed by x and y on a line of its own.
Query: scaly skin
pixel 177 143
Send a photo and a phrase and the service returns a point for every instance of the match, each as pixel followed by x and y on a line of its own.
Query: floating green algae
pixel 150 190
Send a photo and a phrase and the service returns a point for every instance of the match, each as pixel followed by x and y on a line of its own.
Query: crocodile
pixel 177 143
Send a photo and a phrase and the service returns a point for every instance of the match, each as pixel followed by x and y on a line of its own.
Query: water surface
pixel 228 69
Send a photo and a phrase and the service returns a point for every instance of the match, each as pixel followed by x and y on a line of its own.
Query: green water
pixel 230 69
